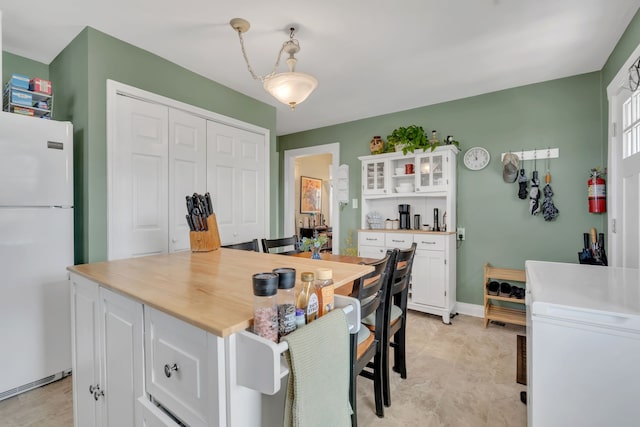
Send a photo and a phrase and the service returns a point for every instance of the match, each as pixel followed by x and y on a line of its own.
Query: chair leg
pixel 386 386
pixel 352 400
pixel 399 353
pixel 377 384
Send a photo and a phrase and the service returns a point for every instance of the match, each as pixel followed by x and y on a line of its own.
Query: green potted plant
pixel 408 139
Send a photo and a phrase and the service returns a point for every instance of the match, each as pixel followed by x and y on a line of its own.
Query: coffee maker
pixel 405 222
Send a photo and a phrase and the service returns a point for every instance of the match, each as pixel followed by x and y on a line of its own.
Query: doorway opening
pixel 296 165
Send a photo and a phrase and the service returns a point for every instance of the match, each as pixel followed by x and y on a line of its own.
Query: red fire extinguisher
pixel 597 194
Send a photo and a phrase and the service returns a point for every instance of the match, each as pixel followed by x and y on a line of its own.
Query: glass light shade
pixel 291 88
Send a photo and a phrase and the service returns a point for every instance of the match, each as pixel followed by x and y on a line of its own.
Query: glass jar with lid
pixel 265 305
pixel 286 300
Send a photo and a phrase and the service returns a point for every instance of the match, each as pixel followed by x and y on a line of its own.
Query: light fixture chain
pixel 246 59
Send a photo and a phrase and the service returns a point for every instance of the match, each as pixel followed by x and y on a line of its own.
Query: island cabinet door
pixel 85 352
pixel 107 356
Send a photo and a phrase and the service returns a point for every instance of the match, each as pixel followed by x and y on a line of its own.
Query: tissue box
pixel 20 81
pixel 39 85
pixel 21 98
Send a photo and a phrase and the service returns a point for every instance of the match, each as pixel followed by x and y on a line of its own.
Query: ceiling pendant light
pixel 290 88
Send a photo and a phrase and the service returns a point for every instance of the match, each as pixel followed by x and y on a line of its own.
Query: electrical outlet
pixel 461 235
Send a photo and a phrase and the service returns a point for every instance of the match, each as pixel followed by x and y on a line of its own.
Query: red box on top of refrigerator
pixel 39 85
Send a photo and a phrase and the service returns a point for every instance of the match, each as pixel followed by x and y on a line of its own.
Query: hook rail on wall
pixel 545 153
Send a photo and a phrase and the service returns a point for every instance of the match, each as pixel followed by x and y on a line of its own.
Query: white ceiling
pixel 370 56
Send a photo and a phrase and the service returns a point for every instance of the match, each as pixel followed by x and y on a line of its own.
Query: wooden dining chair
pixel 269 244
pixel 366 346
pixel 394 302
pixel 251 245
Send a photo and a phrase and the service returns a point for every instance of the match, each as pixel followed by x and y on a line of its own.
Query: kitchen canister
pixel 265 305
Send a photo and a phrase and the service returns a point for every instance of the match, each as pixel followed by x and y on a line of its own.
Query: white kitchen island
pixel 162 341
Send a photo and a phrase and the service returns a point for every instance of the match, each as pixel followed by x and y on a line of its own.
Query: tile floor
pixel 458 375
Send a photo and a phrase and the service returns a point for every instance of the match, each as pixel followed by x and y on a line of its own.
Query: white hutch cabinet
pixel 433 186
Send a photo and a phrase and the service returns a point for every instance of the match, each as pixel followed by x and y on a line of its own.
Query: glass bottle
pixel 286 300
pixel 265 305
pixel 324 290
pixel 307 298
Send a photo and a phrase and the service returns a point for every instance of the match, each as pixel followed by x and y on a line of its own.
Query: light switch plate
pixel 354 202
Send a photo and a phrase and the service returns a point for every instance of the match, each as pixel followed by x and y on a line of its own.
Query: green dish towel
pixel 318 389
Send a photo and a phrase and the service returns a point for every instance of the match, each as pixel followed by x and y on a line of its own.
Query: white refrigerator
pixel 583 345
pixel 36 246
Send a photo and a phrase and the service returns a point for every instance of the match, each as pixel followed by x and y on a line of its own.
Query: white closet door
pixel 236 179
pixel 187 171
pixel 138 170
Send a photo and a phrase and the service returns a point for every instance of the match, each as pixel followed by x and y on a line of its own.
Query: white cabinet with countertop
pixel 162 340
pixel 434 268
pixel 430 190
pixel 583 342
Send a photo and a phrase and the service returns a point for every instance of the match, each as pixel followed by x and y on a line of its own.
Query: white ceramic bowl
pixel 404 188
pixel 399 171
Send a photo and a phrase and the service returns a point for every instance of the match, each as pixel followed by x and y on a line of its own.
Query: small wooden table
pixel 348 259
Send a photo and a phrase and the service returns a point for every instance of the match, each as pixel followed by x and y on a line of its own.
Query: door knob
pixel 170 368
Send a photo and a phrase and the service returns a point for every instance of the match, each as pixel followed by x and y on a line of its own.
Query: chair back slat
pixel 401 275
pixel 251 245
pixel 268 244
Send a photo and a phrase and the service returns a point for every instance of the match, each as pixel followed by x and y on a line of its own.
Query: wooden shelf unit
pixel 498 313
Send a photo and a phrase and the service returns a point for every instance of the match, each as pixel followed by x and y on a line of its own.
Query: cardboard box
pixel 21 98
pixel 20 81
pixel 23 111
pixel 39 85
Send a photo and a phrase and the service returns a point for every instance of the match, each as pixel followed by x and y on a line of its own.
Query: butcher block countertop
pixel 210 290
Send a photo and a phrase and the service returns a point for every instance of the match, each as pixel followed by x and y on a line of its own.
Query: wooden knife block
pixel 206 241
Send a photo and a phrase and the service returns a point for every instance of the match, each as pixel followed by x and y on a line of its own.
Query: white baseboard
pixel 475 310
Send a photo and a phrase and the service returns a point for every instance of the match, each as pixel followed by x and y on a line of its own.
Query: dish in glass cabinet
pixel 404 189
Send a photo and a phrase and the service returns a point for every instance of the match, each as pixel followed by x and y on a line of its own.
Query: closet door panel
pixel 138 180
pixel 187 171
pixel 222 193
pixel 236 176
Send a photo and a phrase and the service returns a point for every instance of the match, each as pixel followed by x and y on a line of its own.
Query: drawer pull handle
pixel 397 241
pixel 169 368
pixel 96 391
pixel 371 239
pixel 428 243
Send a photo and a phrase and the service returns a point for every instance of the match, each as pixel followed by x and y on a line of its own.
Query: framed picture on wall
pixel 310 195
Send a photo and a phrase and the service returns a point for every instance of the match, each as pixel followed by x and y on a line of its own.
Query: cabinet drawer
pixel 176 366
pixel 152 416
pixel 370 239
pixel 398 240
pixel 432 242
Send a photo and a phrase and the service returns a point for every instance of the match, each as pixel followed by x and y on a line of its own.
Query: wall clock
pixel 476 158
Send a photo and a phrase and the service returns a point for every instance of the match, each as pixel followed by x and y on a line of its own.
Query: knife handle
pixel 189 222
pixel 585 236
pixel 593 236
pixel 207 197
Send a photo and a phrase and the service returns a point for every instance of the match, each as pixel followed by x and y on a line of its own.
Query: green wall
pixel 562 114
pixel 14 64
pixel 79 74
